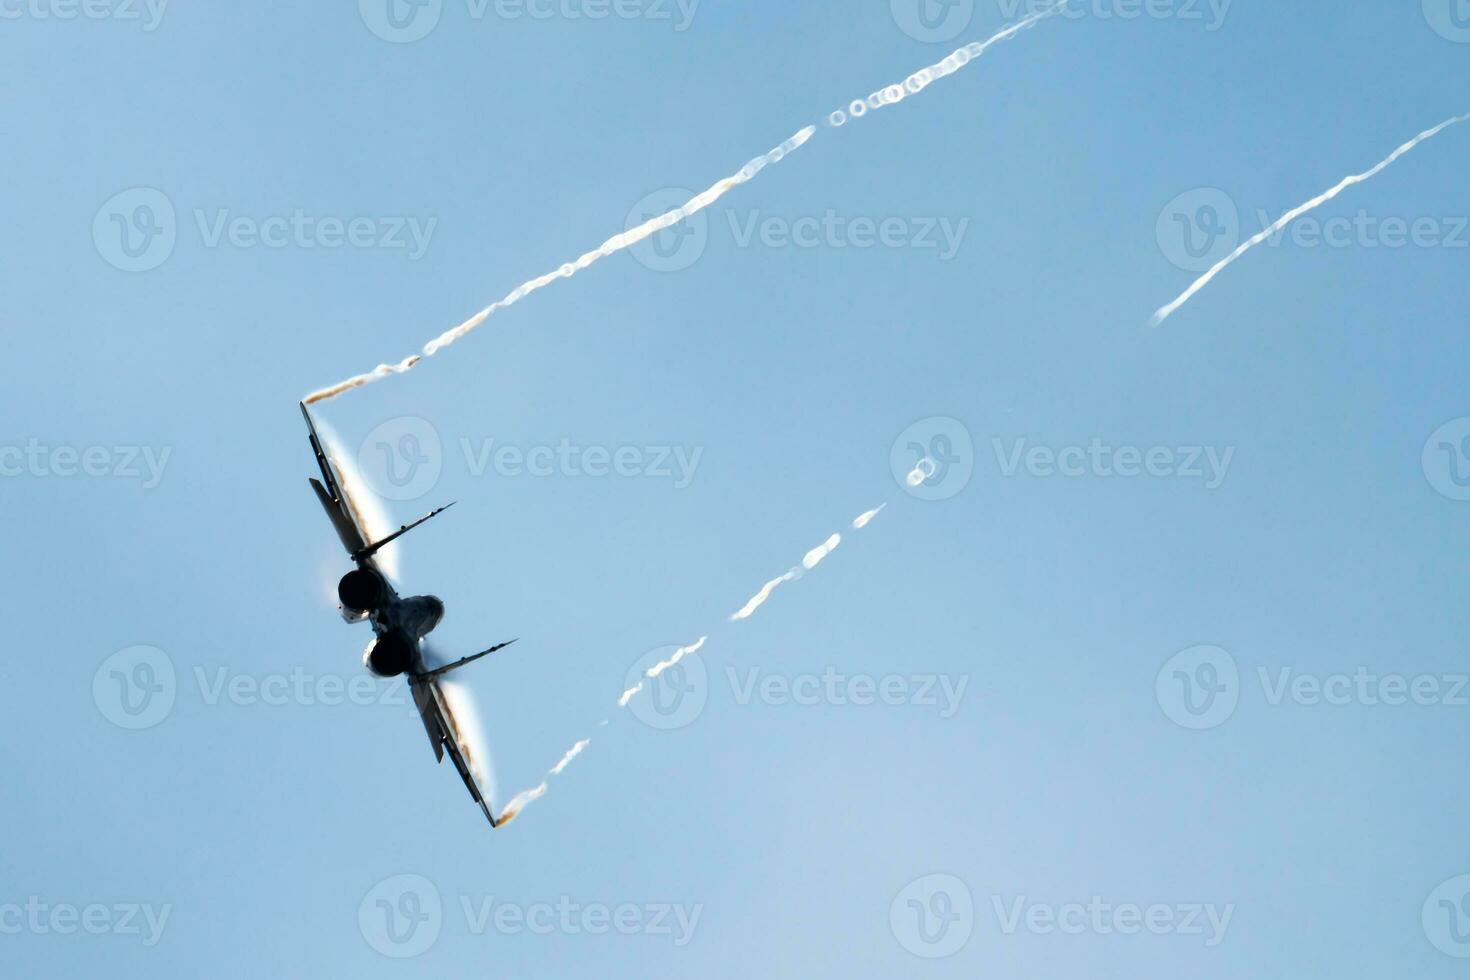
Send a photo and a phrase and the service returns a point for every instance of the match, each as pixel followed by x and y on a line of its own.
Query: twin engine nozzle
pixel 362 591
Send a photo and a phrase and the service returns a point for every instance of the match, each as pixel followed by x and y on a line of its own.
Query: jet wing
pixel 329 491
pixel 446 738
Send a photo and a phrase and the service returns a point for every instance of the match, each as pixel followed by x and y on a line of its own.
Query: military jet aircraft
pixel 400 624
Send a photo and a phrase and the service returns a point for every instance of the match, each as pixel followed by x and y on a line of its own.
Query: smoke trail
pixel 812 559
pixel 576 750
pixel 524 799
pixel 679 655
pixel 1167 311
pixel 889 95
pixel 759 599
pixel 659 668
pixel 615 244
pixel 820 552
pixel 520 802
pixel 924 77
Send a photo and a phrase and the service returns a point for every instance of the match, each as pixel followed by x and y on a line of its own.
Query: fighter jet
pixel 400 624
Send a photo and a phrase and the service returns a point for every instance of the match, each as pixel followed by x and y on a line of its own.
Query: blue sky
pixel 1203 720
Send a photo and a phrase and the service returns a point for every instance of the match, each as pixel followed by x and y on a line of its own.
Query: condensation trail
pixel 759 599
pixel 659 668
pixel 924 77
pixel 1167 311
pixel 613 245
pixel 812 559
pixel 889 95
pixel 519 803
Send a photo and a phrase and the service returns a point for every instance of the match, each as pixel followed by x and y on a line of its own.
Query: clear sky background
pixel 1333 834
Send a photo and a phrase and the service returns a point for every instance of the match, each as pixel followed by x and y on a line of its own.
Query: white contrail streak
pixel 1167 311
pixel 820 552
pixel 889 95
pixel 576 750
pixel 759 599
pixel 522 800
pixel 613 245
pixel 679 655
pixel 813 558
pixel 924 77
pixel 659 668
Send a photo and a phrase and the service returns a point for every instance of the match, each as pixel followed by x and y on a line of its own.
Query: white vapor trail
pixel 659 668
pixel 1167 311
pixel 522 800
pixel 924 77
pixel 759 599
pixel 613 245
pixel 812 559
pixel 889 95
